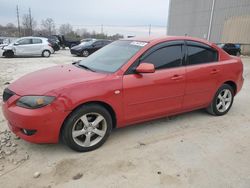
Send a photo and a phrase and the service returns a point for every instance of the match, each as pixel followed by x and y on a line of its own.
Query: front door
pixel 23 46
pixel 155 94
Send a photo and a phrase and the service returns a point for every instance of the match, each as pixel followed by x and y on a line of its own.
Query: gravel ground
pixel 189 150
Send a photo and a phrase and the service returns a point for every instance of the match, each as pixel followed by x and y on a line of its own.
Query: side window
pixel 106 42
pixel 24 41
pixel 36 41
pixel 200 55
pixel 165 57
pixel 98 43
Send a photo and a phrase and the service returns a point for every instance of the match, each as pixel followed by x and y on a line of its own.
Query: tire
pixel 222 102
pixel 46 53
pixel 85 53
pixel 87 128
pixel 9 54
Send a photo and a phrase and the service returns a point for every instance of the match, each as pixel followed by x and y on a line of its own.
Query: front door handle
pixel 214 71
pixel 177 77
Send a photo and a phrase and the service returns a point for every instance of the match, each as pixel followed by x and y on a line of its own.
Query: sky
pixel 126 17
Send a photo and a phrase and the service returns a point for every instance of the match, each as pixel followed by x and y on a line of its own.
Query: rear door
pixel 202 74
pixel 37 46
pixel 149 95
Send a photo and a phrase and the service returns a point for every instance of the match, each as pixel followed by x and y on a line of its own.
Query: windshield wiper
pixel 84 66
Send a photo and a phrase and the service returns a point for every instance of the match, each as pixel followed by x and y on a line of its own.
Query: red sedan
pixel 126 82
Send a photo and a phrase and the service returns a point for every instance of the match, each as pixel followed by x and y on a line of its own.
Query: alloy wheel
pixel 89 129
pixel 85 53
pixel 224 100
pixel 46 54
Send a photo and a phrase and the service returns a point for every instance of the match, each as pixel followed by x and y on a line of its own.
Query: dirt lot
pixel 189 150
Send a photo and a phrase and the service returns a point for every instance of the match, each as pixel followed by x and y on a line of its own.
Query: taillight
pixel 50 45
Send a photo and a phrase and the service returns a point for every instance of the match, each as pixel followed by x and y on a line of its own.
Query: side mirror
pixel 16 43
pixel 145 68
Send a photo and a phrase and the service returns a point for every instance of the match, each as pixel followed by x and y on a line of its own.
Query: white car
pixel 28 46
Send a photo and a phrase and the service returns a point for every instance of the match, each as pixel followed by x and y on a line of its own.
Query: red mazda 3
pixel 126 82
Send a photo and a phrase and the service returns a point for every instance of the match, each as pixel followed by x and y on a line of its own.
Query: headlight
pixel 33 102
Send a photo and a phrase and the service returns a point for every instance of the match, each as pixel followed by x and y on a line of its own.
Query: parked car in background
pixel 65 42
pixel 86 48
pixel 54 44
pixel 28 46
pixel 232 49
pixel 126 82
pixel 87 40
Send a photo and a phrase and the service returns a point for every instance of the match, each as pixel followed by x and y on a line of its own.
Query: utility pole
pixel 168 15
pixel 149 30
pixel 30 19
pixel 211 21
pixel 18 21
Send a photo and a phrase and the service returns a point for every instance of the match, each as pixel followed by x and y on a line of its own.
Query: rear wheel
pixel 87 128
pixel 222 101
pixel 46 53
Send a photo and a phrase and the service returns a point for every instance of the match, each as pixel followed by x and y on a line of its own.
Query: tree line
pixel 47 27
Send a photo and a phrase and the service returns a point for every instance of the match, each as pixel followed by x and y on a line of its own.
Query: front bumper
pixel 75 52
pixel 46 121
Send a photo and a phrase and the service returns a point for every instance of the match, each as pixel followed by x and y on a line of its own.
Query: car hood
pixel 47 81
pixel 8 46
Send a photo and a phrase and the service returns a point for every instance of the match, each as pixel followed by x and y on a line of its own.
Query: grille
pixel 7 94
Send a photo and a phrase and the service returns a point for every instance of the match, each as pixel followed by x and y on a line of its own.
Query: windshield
pixel 111 57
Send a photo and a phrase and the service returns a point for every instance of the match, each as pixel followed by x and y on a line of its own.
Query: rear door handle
pixel 176 77
pixel 214 71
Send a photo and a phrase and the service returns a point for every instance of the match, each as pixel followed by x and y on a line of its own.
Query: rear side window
pixel 166 57
pixel 199 54
pixel 36 41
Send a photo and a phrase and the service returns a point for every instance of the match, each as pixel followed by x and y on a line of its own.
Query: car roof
pixel 31 37
pixel 158 39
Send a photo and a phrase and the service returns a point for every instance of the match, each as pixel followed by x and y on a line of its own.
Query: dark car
pixel 86 48
pixel 55 45
pixel 232 49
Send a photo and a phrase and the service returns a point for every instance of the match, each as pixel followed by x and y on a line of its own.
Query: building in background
pixel 220 21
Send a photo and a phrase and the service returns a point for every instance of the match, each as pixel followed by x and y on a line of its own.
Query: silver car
pixel 28 46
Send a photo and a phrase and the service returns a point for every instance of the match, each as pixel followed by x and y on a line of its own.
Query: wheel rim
pixel 89 129
pixel 224 100
pixel 46 54
pixel 85 53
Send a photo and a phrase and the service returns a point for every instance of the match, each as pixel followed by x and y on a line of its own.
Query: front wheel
pixel 222 101
pixel 8 54
pixel 85 53
pixel 87 128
